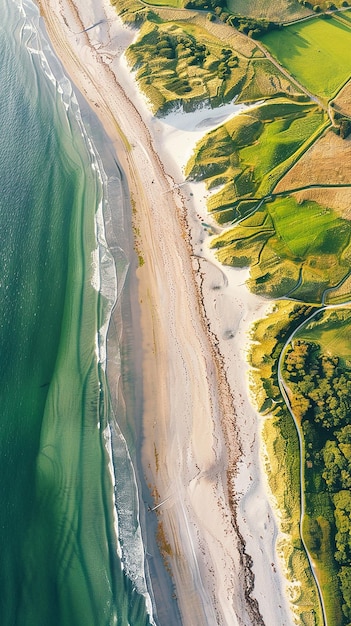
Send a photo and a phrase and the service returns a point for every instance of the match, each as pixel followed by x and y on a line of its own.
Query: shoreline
pixel 206 559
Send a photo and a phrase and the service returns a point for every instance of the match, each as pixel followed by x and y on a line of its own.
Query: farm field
pixel 342 102
pixel 293 250
pixel 327 162
pixel 316 52
pixel 290 9
pixel 335 198
pixel 252 151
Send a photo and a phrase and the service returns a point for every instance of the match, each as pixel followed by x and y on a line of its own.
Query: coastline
pixel 184 414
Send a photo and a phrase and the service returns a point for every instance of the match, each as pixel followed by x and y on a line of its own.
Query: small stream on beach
pixel 71 544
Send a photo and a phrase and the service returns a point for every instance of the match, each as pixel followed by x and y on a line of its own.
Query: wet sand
pixel 201 451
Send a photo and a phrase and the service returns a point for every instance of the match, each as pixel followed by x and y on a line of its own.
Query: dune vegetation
pixel 278 177
pixel 251 152
pixel 279 180
pixel 191 66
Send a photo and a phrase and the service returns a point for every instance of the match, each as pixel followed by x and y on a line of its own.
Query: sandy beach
pixel 201 455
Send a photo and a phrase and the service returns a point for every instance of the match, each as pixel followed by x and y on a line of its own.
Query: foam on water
pixel 109 281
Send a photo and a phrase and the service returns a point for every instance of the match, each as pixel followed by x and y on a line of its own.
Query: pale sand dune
pixel 201 451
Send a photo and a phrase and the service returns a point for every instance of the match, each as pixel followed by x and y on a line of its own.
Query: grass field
pixel 331 330
pixel 290 9
pixel 252 151
pixel 300 250
pixel 182 63
pixel 316 52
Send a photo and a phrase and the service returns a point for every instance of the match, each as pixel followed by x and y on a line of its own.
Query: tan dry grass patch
pixel 343 293
pixel 338 199
pixel 342 102
pixel 327 162
pixel 229 37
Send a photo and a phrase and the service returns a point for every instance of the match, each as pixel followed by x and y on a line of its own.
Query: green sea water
pixel 60 559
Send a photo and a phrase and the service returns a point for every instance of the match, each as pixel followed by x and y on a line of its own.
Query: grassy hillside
pixel 316 52
pixel 180 63
pixel 296 250
pixel 280 10
pixel 251 152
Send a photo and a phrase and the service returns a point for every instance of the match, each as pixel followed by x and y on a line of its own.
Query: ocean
pixel 72 551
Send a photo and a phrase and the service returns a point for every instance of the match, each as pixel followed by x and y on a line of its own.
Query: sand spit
pixel 201 453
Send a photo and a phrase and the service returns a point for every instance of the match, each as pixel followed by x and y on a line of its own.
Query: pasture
pixel 251 152
pixel 331 330
pixel 290 9
pixel 316 52
pixel 296 250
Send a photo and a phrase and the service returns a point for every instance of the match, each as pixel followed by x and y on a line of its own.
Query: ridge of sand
pixel 201 452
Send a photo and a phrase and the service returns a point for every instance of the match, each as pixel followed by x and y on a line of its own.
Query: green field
pixel 276 11
pixel 182 63
pixel 316 52
pixel 331 330
pixel 252 151
pixel 293 249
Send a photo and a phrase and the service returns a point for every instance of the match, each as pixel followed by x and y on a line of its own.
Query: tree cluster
pixel 320 394
pixel 314 6
pixel 204 4
pixel 321 386
pixel 172 47
pixel 342 125
pixel 247 25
